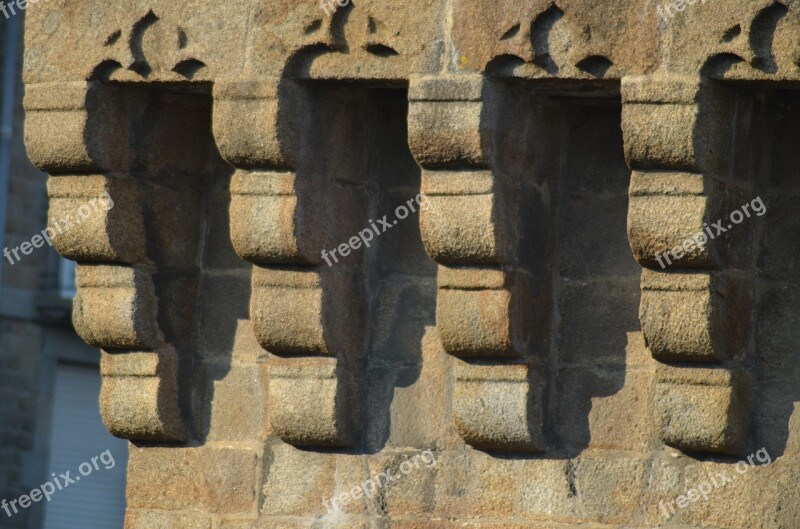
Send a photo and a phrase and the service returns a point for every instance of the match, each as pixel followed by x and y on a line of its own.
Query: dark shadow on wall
pixel 756 158
pixel 563 184
pixel 745 137
pixel 356 168
pixel 765 161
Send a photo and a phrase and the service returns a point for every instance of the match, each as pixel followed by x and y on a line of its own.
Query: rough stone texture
pixel 701 409
pixel 219 479
pixel 137 519
pixel 519 324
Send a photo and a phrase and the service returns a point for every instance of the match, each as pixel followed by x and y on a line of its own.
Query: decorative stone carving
pixel 748 41
pixel 545 39
pixel 141 51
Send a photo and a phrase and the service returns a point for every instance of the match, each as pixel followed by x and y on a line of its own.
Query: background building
pixel 49 378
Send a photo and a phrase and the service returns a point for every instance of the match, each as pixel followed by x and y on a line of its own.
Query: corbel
pixel 77 132
pixel 695 301
pixel 308 315
pixel 470 230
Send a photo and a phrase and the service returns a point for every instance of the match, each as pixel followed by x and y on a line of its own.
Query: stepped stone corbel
pixel 695 300
pixel 470 230
pixel 75 132
pixel 284 213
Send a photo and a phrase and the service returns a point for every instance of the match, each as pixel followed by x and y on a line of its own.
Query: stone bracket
pixel 74 127
pixel 472 233
pixel 308 315
pixel 686 317
pixel 138 395
pixel 481 312
pixel 694 308
pixel 80 132
pixel 313 401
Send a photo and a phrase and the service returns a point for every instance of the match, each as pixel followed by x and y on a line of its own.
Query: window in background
pixel 97 500
pixel 66 278
pixel 8 56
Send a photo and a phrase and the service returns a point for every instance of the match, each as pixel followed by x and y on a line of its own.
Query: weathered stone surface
pixel 161 520
pixel 313 402
pixel 115 307
pixel 699 409
pixel 60 110
pixel 676 123
pixel 227 386
pixel 477 322
pixel 498 407
pixel 608 487
pixel 139 395
pixel 100 216
pixel 408 492
pixel 591 401
pixel 497 326
pixel 219 480
pixel 750 491
pixel 491 489
pixel 284 494
pixel 408 428
pixel 569 40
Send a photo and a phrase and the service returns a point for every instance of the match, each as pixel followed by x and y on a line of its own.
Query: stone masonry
pixel 518 324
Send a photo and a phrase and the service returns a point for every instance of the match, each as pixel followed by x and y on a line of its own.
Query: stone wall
pixel 518 324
